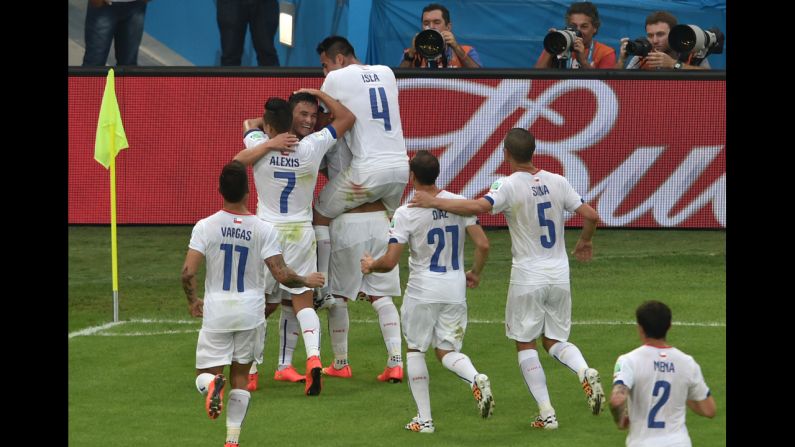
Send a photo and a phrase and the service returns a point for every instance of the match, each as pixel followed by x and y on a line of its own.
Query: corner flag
pixel 110 138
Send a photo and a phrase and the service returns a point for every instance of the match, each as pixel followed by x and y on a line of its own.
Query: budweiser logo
pixel 621 194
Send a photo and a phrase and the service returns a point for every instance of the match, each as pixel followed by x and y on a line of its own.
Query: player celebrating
pixel 236 244
pixel 434 310
pixel 285 184
pixel 539 295
pixel 359 199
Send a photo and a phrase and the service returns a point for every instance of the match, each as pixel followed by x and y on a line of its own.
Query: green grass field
pixel 132 384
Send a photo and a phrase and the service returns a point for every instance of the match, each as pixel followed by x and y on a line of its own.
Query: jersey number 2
pixel 241 266
pixel 380 114
pixel 666 391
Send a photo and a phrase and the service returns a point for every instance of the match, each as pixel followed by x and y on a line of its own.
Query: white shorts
pixel 538 309
pixel 350 189
pixel 299 250
pixel 438 325
pixel 352 235
pixel 223 348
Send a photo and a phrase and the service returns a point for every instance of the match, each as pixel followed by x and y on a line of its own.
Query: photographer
pixel 587 53
pixel 437 17
pixel 661 56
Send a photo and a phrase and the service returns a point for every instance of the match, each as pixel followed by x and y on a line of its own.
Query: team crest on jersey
pixel 237 220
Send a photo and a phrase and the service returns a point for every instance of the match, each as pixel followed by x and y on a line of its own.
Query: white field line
pixel 98 330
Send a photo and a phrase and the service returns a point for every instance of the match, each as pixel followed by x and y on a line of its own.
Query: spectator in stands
pixel 587 52
pixel 436 16
pixel 120 22
pixel 261 16
pixel 658 25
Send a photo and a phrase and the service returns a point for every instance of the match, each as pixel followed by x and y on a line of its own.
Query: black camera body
pixel 561 41
pixel 640 47
pixel 431 46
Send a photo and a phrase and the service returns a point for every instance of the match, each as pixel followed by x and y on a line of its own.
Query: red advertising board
pixel 645 153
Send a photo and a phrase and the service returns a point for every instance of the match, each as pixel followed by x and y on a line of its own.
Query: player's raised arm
pixel 281 142
pixel 461 207
pixel 343 118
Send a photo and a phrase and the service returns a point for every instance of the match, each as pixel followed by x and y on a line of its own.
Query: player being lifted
pixel 360 198
pixel 285 184
pixel 434 310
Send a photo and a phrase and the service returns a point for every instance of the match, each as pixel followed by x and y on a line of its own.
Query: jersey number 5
pixel 546 242
pixel 380 114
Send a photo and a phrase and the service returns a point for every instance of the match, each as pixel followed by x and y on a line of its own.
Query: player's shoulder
pixel 444 194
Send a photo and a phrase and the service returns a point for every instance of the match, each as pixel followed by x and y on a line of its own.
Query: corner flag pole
pixel 109 141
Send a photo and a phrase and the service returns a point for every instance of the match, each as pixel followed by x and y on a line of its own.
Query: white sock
pixel 310 328
pixel 237 406
pixel 389 320
pixel 535 379
pixel 417 370
pixel 338 326
pixel 461 365
pixel 570 355
pixel 323 253
pixel 253 369
pixel 203 382
pixel 288 336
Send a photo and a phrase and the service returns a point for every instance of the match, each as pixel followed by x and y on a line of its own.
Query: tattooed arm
pixel 618 406
pixel 192 262
pixel 289 278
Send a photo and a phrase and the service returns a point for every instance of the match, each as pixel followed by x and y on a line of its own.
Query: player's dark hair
pixel 233 182
pixel 425 167
pixel 587 8
pixel 655 319
pixel 520 144
pixel 278 114
pixel 334 45
pixel 296 98
pixel 434 7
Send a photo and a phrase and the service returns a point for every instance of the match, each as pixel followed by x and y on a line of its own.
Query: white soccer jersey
pixel 661 381
pixel 533 206
pixel 285 181
pixel 370 92
pixel 337 158
pixel 436 260
pixel 235 247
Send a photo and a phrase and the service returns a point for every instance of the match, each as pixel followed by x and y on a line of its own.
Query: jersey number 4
pixel 241 266
pixel 380 114
pixel 436 236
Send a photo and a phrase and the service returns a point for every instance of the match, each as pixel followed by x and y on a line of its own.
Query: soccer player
pixel 236 244
pixel 360 199
pixel 285 184
pixel 434 310
pixel 539 295
pixel 305 113
pixel 653 385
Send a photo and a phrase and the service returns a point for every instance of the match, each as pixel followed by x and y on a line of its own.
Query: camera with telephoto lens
pixel 639 47
pixel 430 44
pixel 685 39
pixel 561 40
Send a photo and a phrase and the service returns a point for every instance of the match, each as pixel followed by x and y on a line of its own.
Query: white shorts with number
pixel 533 310
pixel 437 325
pixel 352 235
pixel 350 189
pixel 299 250
pixel 223 348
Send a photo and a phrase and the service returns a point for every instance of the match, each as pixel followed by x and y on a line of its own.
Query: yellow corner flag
pixel 110 131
